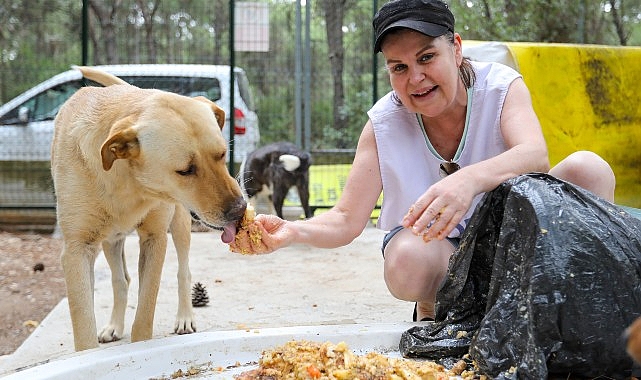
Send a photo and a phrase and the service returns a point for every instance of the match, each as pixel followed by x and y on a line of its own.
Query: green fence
pixel 310 66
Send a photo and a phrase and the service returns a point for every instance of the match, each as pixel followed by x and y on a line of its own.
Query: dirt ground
pixel 31 284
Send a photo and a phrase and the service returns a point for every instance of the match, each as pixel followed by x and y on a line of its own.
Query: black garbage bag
pixel 545 281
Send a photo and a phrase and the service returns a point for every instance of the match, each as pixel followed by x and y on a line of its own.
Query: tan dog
pixel 126 158
pixel 633 344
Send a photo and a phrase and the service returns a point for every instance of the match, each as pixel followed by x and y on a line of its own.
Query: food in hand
pixel 248 218
pixel 247 229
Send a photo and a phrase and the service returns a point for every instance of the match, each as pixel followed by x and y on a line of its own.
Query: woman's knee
pixel 589 171
pixel 413 268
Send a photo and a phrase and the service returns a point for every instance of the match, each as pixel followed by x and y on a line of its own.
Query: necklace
pixel 461 144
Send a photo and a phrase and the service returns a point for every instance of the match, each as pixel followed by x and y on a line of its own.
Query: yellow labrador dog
pixel 126 158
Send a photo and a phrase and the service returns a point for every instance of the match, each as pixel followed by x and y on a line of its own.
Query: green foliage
pixel 31 35
pixel 561 21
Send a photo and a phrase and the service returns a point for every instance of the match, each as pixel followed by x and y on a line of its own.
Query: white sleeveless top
pixel 408 163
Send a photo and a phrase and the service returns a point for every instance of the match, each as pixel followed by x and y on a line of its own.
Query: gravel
pixel 31 284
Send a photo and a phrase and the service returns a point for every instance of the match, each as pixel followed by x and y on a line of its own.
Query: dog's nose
pixel 236 210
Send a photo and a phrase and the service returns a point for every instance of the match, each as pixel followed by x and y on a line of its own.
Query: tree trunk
pixel 334 11
pixel 148 15
pixel 106 20
pixel 618 24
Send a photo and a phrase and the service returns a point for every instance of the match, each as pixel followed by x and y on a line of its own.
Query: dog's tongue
pixel 229 232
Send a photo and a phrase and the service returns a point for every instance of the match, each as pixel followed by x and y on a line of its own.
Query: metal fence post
pixel 374 61
pixel 232 64
pixel 85 32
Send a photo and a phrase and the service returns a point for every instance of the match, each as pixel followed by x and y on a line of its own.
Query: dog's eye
pixel 191 170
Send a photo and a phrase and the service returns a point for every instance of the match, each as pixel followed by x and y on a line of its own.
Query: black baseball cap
pixel 430 17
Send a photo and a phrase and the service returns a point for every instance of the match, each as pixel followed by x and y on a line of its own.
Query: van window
pixel 245 91
pixel 45 105
pixel 189 86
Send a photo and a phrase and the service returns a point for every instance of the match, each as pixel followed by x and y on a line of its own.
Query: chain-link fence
pixel 310 69
pixel 311 84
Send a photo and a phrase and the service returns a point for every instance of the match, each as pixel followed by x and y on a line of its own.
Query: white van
pixel 26 122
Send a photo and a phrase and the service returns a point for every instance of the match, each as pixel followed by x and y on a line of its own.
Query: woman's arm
pixel 336 227
pixel 347 219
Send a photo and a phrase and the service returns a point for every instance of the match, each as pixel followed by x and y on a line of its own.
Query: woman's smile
pixel 424 93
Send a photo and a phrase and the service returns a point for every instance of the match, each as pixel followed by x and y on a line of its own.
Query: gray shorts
pixel 388 236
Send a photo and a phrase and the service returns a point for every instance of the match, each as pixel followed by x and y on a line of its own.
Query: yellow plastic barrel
pixel 587 98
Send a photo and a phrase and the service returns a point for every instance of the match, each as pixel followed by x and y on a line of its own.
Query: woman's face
pixel 423 70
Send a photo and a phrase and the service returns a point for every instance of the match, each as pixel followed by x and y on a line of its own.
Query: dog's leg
pixel 278 198
pixel 115 255
pixel 181 234
pixel 303 195
pixel 153 246
pixel 78 263
pixel 262 201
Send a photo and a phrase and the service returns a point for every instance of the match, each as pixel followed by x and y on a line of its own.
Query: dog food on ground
pixel 314 360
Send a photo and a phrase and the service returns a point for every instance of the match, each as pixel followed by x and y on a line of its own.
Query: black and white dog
pixel 272 170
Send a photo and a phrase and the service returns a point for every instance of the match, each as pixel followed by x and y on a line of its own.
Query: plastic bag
pixel 545 281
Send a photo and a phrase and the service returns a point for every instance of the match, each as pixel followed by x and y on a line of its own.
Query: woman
pixel 449 131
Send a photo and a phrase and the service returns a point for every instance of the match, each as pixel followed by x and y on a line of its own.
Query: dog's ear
pixel 122 143
pixel 218 112
pixel 220 115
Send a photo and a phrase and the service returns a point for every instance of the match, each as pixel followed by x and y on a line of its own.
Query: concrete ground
pixel 296 286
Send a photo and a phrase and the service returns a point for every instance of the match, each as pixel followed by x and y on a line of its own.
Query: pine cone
pixel 199 295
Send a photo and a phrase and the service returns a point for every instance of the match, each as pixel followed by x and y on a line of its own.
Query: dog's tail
pixel 99 76
pixel 290 162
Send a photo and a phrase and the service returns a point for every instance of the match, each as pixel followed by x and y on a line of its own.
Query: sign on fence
pixel 251 28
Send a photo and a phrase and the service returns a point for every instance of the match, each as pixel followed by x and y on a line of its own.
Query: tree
pixel 107 21
pixel 147 12
pixel 334 12
pixel 618 23
pixel 566 21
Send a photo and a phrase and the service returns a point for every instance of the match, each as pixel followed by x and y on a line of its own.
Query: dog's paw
pixel 110 333
pixel 185 326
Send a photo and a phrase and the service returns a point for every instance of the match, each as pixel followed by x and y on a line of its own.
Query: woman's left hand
pixel 440 209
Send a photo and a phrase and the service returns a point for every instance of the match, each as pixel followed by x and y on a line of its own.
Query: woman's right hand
pixel 439 210
pixel 265 234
